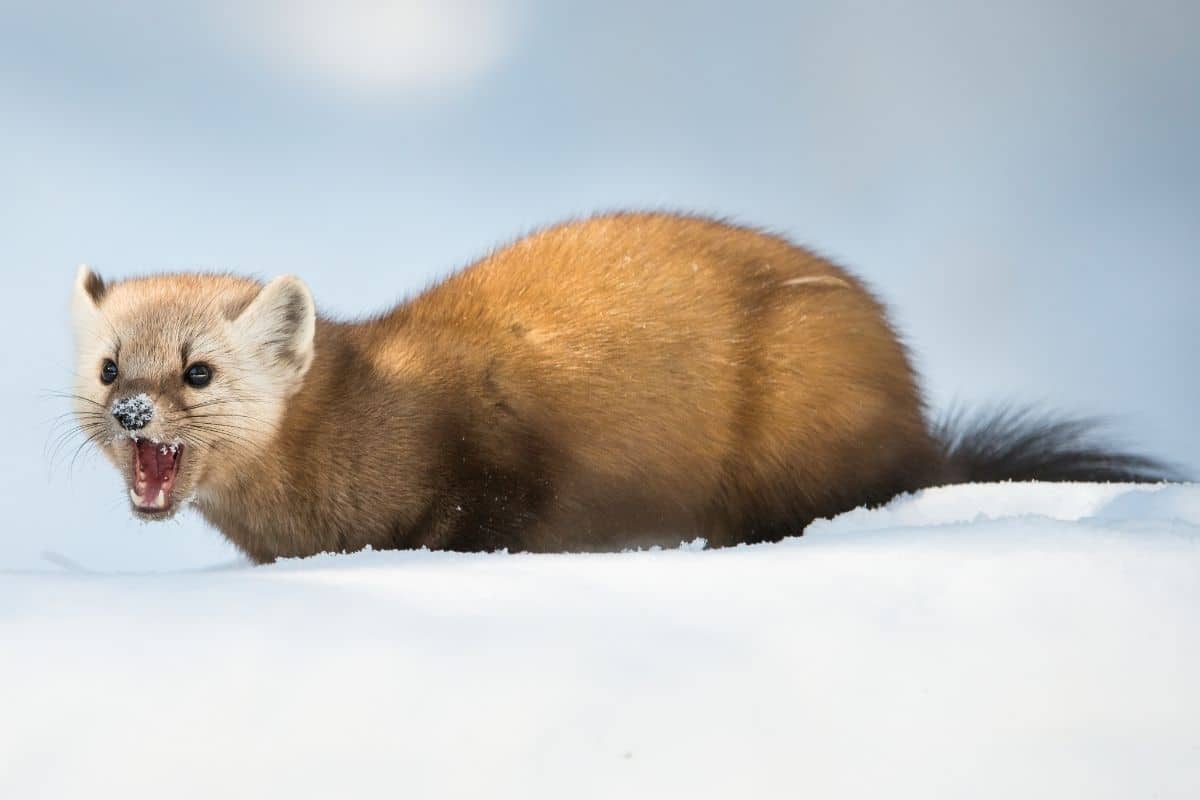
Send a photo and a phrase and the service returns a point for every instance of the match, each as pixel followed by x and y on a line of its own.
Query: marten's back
pixel 681 377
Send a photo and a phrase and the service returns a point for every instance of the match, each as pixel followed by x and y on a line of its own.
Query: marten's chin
pixel 154 472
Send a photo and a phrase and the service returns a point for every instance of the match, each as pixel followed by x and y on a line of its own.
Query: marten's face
pixel 182 380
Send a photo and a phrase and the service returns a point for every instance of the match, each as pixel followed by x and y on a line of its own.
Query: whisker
pixel 71 419
pixel 231 425
pixel 69 416
pixel 295 428
pixel 222 401
pixel 87 412
pixel 227 416
pixel 72 396
pixel 52 449
pixel 223 431
pixel 218 419
pixel 227 434
pixel 90 440
pixel 74 429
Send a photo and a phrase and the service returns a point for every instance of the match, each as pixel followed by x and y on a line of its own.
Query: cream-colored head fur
pixel 256 340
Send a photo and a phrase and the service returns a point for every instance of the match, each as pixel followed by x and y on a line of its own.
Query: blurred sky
pixel 1020 181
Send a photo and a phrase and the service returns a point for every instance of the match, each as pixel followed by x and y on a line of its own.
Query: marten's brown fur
pixel 627 380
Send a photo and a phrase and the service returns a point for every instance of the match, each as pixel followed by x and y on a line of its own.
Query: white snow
pixel 139 409
pixel 992 641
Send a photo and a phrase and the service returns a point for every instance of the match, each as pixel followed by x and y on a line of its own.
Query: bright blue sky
pixel 1020 181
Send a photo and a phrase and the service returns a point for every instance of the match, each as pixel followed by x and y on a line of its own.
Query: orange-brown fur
pixel 626 380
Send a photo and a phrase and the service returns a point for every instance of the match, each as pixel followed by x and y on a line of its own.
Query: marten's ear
pixel 280 323
pixel 86 295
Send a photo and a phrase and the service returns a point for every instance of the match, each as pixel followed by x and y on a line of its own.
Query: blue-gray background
pixel 1020 181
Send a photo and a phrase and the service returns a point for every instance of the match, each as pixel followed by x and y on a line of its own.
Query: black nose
pixel 134 413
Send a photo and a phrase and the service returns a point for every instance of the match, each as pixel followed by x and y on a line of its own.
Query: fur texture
pixel 626 380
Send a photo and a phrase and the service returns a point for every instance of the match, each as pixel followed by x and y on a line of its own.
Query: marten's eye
pixel 198 375
pixel 108 372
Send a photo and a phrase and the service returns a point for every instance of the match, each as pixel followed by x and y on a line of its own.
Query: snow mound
pixel 1067 502
pixel 1008 640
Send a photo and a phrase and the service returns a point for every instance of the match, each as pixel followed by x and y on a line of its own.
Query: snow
pixel 1007 640
pixel 135 412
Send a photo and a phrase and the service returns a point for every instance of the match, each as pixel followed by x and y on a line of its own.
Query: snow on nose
pixel 133 413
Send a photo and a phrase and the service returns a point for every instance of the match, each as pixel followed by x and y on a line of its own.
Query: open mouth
pixel 155 466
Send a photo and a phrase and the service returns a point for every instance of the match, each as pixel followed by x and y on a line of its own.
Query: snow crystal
pixel 134 412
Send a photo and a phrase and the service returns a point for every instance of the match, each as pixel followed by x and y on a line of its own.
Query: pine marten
pixel 627 380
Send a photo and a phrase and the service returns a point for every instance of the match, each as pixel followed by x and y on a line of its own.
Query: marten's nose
pixel 134 413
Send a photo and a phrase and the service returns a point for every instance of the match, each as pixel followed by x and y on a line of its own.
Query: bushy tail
pixel 1022 445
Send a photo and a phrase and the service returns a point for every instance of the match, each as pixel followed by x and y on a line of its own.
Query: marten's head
pixel 181 379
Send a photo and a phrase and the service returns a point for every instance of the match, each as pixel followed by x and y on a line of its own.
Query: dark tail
pixel 1022 445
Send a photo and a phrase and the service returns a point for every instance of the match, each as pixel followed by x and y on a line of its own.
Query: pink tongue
pixel 156 465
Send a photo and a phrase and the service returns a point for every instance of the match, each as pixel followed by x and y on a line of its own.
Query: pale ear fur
pixel 86 295
pixel 280 324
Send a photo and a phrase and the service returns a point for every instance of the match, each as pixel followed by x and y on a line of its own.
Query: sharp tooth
pixel 161 500
pixel 135 497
